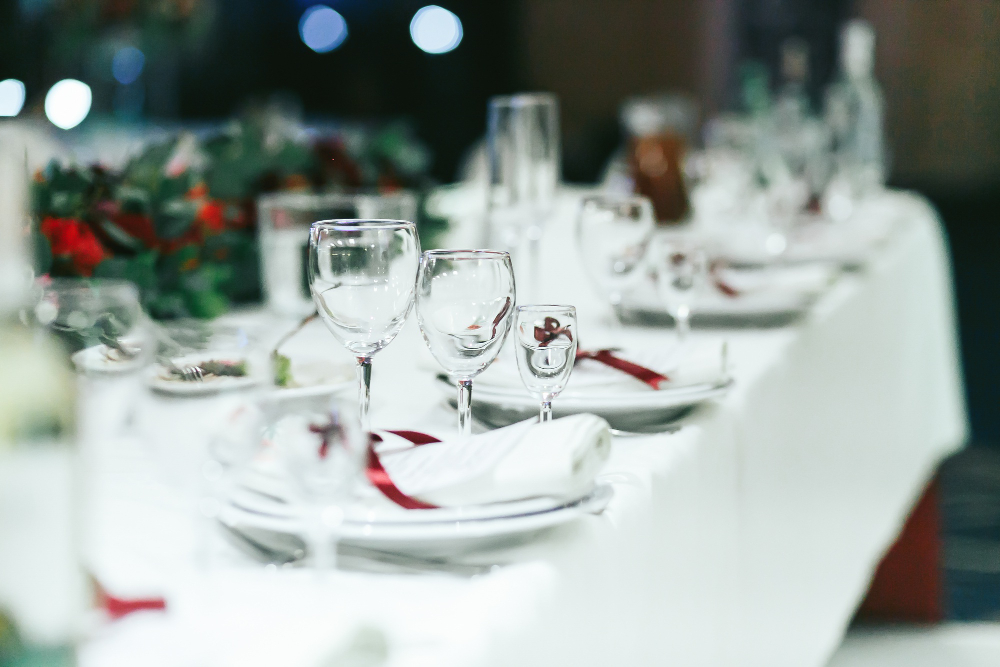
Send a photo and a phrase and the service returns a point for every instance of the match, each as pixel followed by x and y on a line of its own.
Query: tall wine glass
pixel 362 275
pixel 612 233
pixel 546 339
pixel 681 266
pixel 465 305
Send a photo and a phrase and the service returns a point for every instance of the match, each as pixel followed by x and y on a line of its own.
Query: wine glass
pixel 465 305
pixel 362 275
pixel 323 452
pixel 546 338
pixel 522 139
pixel 612 233
pixel 681 266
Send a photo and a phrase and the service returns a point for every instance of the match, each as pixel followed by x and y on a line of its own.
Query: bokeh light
pixel 11 97
pixel 435 30
pixel 67 103
pixel 322 29
pixel 127 65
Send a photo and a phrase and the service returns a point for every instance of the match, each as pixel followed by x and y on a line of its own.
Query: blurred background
pixel 171 63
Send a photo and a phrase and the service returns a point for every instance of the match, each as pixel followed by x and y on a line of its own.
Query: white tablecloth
pixel 747 538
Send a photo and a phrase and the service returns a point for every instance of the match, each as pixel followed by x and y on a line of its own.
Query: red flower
pixel 210 215
pixel 73 240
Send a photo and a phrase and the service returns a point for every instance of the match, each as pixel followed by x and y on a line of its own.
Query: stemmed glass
pixel 681 267
pixel 362 275
pixel 323 453
pixel 522 139
pixel 465 306
pixel 612 233
pixel 546 338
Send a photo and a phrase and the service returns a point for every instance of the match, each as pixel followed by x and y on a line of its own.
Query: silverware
pixel 656 429
pixel 281 549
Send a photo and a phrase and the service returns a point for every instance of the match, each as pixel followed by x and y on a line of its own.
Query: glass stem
pixel 322 544
pixel 683 322
pixel 546 413
pixel 465 408
pixel 364 372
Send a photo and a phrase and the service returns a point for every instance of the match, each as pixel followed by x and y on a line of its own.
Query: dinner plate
pixel 769 296
pixel 96 359
pixel 467 528
pixel 623 409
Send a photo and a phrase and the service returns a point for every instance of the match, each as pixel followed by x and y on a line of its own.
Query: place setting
pixel 406 491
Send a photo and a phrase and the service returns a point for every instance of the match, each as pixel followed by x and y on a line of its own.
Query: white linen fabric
pixel 747 538
pixel 557 459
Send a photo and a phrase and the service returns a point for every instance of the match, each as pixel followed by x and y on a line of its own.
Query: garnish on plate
pixel 216 367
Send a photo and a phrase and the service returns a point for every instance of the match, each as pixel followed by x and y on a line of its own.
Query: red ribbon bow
pixel 647 375
pixel 380 479
pixel 548 333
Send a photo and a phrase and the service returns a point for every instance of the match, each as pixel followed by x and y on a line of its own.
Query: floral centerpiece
pixel 179 219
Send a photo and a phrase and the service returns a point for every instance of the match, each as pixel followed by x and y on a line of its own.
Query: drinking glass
pixel 681 266
pixel 524 153
pixel 546 339
pixel 465 305
pixel 612 234
pixel 323 454
pixel 99 321
pixel 362 275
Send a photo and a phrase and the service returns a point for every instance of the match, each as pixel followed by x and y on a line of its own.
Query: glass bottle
pixel 43 592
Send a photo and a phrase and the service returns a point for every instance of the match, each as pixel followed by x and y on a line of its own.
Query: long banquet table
pixel 746 538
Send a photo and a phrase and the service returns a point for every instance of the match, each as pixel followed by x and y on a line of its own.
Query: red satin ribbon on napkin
pixel 647 375
pixel 378 476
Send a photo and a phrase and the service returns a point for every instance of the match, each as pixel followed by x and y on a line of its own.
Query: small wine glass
pixel 546 338
pixel 612 233
pixel 323 452
pixel 362 275
pixel 681 266
pixel 465 306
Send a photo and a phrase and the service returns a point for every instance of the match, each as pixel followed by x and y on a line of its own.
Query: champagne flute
pixel 362 275
pixel 612 233
pixel 681 266
pixel 465 305
pixel 546 338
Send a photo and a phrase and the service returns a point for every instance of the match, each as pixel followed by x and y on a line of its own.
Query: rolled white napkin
pixel 694 362
pixel 558 459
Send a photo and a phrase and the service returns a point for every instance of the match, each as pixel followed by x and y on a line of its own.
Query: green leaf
pixel 282 370
pixel 206 304
pixel 43 253
pixel 174 218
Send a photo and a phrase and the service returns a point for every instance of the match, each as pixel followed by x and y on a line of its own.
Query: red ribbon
pixel 380 479
pixel 120 607
pixel 715 270
pixel 647 375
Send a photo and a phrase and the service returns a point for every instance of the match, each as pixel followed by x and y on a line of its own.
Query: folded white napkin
pixel 693 362
pixel 558 459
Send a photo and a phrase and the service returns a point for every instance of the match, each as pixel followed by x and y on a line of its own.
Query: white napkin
pixel 525 460
pixel 694 362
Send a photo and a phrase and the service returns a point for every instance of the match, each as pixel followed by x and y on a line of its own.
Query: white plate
pixel 623 409
pixel 266 493
pixel 433 536
pixel 159 380
pixel 95 360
